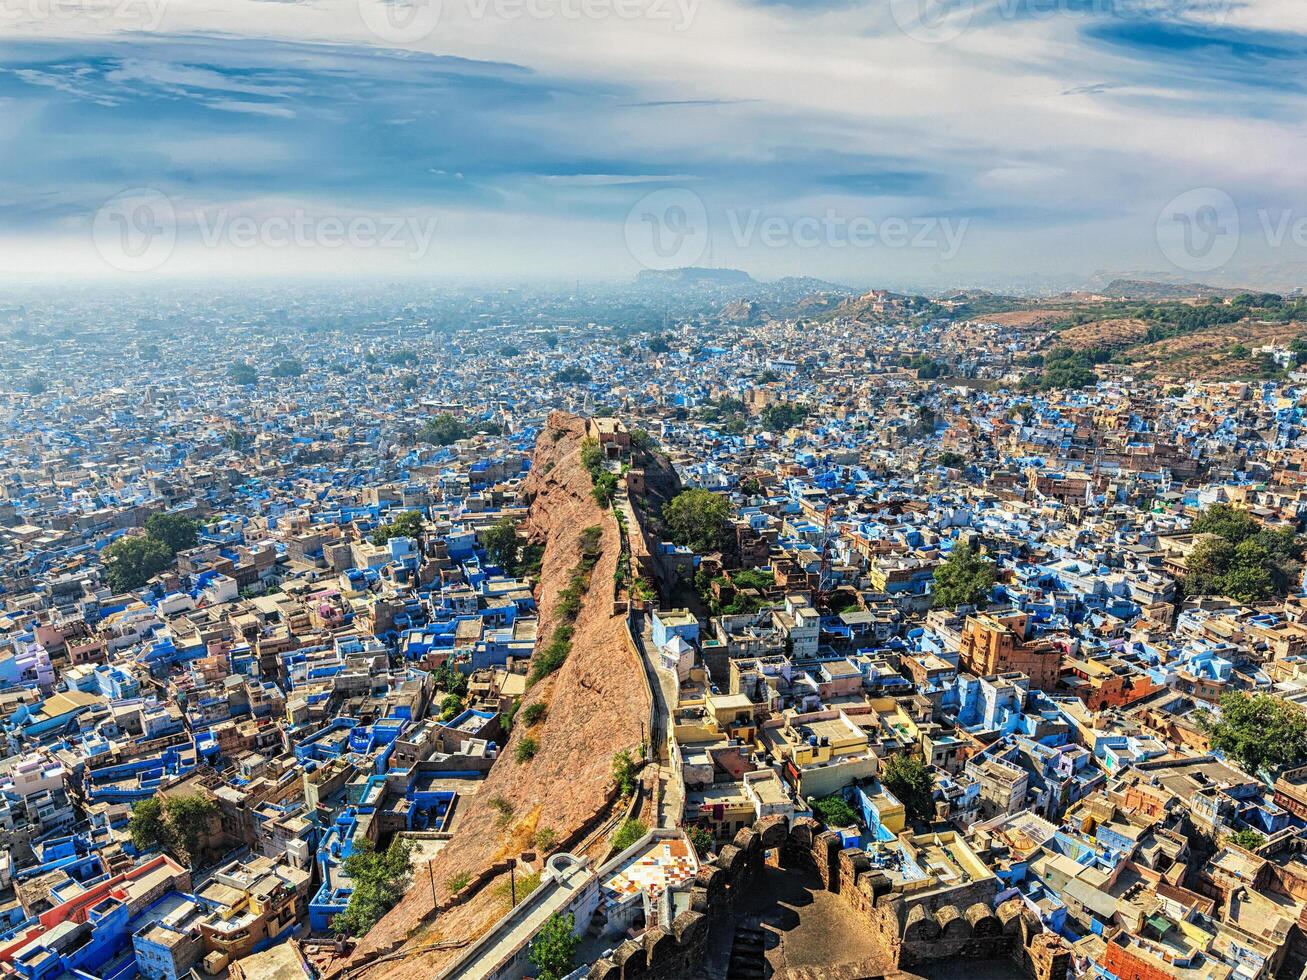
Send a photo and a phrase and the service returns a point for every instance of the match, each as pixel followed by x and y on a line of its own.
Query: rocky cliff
pixel 597 704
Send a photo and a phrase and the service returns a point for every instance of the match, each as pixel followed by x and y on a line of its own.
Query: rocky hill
pixel 597 703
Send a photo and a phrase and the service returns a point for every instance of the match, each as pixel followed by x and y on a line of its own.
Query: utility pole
pixel 432 876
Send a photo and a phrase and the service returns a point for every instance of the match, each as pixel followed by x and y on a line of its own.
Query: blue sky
pixel 1013 140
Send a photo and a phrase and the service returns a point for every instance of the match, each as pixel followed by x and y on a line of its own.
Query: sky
pixel 900 143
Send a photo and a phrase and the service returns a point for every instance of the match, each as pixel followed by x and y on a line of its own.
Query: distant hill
pixel 1146 289
pixel 696 275
pixel 878 304
pixel 806 285
pixel 743 311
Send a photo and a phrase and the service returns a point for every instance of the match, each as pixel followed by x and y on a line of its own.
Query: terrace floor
pixel 794 930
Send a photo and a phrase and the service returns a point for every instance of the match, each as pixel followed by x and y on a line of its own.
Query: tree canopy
pixel 176 822
pixel 243 373
pixel 442 430
pixel 132 561
pixel 553 950
pixel 1260 731
pixel 1240 558
pixel 963 579
pixel 834 811
pixel 378 879
pixel 406 525
pixel 147 826
pixel 500 542
pixel 698 519
pixel 189 818
pixel 287 367
pixel 780 416
pixel 1247 838
pixel 177 532
pixel 911 781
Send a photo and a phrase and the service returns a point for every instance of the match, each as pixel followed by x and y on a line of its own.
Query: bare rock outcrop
pixel 598 704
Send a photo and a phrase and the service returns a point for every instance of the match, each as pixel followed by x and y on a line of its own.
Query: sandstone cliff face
pixel 597 705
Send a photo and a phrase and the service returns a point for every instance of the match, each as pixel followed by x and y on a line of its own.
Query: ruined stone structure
pixel 941 923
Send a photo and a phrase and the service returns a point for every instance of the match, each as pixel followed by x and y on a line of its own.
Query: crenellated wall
pixel 947 923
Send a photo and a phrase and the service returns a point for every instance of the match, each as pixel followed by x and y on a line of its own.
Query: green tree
pixel 407 525
pixel 442 430
pixel 1260 731
pixel 780 417
pixel 450 706
pixel 643 441
pixel 624 772
pixel 177 532
pixel 573 374
pixel 189 819
pixel 699 519
pixel 604 489
pixel 1232 523
pixel 236 439
pixel 1206 564
pixel 910 780
pixel 287 367
pixel 501 544
pixel 951 459
pixel 553 950
pixel 834 811
pixel 702 841
pixel 146 825
pixel 130 562
pixel 964 578
pixel 1248 581
pixel 1247 838
pixel 450 679
pixel 630 832
pixel 1239 558
pixel 243 373
pixel 377 879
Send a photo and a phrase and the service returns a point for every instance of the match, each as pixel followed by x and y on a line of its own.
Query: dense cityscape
pixel 688 627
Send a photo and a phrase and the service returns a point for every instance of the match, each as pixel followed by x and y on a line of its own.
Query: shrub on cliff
pixel 526 749
pixel 624 772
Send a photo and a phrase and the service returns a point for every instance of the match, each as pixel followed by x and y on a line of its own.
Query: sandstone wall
pixel 950 924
